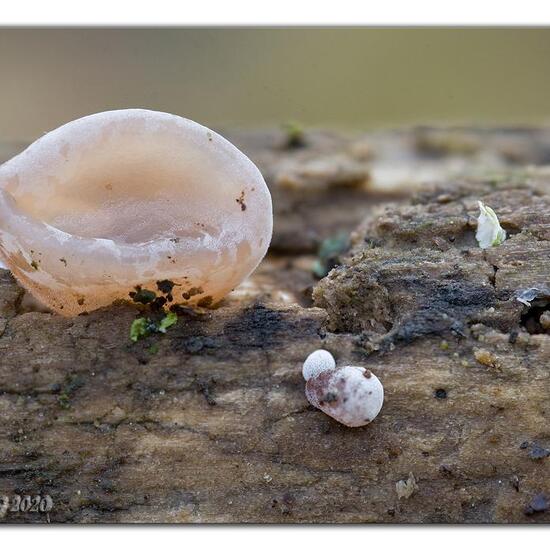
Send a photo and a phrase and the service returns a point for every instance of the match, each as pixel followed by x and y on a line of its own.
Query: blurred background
pixel 339 78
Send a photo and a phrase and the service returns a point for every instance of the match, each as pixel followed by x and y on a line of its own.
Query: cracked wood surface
pixel 209 423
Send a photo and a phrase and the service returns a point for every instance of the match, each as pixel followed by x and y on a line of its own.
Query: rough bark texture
pixel 209 423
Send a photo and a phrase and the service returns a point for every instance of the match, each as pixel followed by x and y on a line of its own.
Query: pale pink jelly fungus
pixel 125 199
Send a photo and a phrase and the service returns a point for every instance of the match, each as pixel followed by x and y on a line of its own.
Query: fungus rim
pixel 9 207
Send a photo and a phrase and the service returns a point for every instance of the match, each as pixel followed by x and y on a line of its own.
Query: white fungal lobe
pixel 319 361
pixel 351 395
pixel 489 233
pixel 131 198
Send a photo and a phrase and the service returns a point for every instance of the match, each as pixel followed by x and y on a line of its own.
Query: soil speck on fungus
pixel 165 286
pixel 240 200
pixel 142 295
pixel 205 302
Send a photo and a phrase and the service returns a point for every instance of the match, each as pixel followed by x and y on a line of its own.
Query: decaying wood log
pixel 209 422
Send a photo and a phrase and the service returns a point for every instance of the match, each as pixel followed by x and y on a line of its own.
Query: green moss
pixel 64 401
pixel 166 322
pixel 153 349
pixel 140 328
pixel 295 135
pixel 516 176
pixel 72 383
pixel 329 252
pixel 143 326
pixel 423 225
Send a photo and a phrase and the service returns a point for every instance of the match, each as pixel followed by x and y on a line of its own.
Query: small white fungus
pixel 489 233
pixel 351 395
pixel 319 361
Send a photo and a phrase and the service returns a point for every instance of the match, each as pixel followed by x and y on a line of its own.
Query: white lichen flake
pixel 406 487
pixel 489 233
pixel 351 395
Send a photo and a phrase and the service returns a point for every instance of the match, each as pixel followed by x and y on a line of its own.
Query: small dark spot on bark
pixel 288 499
pixel 64 261
pixel 34 265
pixel 394 452
pixel 72 383
pixel 184 311
pixel 524 445
pixel 539 503
pixel 539 304
pixel 206 388
pixel 158 303
pixel 80 301
pixel 537 452
pixel 440 393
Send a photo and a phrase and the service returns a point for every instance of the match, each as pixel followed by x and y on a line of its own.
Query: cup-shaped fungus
pixel 132 203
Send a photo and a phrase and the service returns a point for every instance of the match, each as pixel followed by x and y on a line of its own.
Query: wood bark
pixel 209 423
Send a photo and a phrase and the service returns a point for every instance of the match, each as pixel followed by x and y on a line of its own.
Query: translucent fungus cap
pixel 120 201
